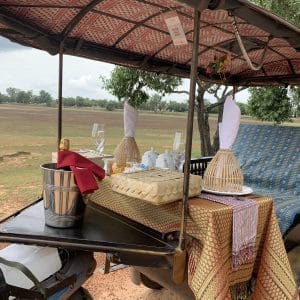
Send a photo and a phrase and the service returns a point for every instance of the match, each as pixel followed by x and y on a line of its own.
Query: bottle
pixel 64 144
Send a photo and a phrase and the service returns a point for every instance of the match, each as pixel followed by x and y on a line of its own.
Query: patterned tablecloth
pixel 210 274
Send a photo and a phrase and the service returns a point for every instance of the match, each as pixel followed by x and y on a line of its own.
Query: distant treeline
pixel 155 103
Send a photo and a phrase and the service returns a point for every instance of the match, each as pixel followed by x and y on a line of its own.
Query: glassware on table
pixel 179 142
pixel 98 136
pixel 179 150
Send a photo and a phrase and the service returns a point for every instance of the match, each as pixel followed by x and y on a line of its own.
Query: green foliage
pixel 287 9
pixel 243 107
pixel 110 106
pixel 273 108
pixel 3 98
pixel 155 103
pixel 43 97
pixel 270 104
pixel 174 106
pixel 135 85
pixel 12 94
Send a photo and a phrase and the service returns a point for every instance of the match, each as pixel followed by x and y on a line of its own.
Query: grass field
pixel 32 131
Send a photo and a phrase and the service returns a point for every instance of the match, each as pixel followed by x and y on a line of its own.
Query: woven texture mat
pixel 155 186
pixel 210 273
pixel 271 166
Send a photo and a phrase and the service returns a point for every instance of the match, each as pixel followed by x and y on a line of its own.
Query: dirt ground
pixel 118 286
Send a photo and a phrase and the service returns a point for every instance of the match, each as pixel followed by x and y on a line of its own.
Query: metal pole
pixel 189 132
pixel 60 83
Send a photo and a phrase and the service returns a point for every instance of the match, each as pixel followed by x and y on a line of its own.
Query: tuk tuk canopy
pixel 134 33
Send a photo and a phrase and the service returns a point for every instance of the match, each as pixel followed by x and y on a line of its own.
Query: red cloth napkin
pixel 84 170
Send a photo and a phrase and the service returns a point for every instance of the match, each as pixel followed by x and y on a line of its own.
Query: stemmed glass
pixel 178 150
pixel 98 136
pixel 179 142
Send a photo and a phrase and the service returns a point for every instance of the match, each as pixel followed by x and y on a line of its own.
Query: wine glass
pixel 178 150
pixel 179 142
pixel 98 136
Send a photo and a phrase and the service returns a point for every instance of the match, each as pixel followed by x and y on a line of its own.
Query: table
pixel 210 275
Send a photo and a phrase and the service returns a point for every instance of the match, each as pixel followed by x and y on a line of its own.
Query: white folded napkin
pixel 130 119
pixel 229 127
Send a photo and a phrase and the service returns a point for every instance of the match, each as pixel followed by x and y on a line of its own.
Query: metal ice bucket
pixel 63 202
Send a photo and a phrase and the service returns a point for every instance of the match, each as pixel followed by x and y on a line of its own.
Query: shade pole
pixel 60 83
pixel 189 132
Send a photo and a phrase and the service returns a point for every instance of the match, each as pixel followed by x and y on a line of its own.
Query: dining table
pixel 267 276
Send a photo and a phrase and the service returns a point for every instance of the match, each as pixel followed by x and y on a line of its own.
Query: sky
pixel 30 69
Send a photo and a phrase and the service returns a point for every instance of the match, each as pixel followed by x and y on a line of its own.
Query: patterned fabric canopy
pixel 134 33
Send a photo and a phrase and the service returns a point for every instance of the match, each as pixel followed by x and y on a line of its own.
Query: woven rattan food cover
pixel 155 186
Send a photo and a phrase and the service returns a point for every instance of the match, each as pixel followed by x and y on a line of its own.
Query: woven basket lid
pixel 223 173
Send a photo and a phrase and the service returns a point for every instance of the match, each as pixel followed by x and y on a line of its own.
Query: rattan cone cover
pixel 127 151
pixel 223 173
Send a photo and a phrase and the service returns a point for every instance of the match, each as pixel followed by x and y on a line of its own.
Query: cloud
pixel 37 70
pixel 8 46
pixel 82 81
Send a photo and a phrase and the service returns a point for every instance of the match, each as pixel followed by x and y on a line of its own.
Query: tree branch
pixel 180 92
pixel 211 106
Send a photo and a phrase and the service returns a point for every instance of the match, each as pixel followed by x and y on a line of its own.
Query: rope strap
pixel 244 52
pixel 26 272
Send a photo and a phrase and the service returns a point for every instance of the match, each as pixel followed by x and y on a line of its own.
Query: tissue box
pixel 155 186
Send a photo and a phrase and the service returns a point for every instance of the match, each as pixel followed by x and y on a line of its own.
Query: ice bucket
pixel 63 202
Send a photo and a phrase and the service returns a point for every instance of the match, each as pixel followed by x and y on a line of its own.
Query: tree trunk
pixel 203 124
pixel 216 142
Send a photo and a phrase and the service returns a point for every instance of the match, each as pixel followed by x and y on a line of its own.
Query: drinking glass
pixel 98 136
pixel 179 142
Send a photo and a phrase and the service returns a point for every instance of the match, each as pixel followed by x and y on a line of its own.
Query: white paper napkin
pixel 229 127
pixel 130 119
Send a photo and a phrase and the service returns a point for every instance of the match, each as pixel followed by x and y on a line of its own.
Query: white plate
pixel 246 191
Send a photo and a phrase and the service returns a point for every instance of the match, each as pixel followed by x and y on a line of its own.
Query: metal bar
pixel 89 246
pixel 60 83
pixel 189 132
pixel 137 25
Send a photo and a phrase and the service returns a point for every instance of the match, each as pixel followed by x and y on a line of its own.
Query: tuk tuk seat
pixel 269 156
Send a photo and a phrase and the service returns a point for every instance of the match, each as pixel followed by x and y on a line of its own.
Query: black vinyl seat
pixel 199 165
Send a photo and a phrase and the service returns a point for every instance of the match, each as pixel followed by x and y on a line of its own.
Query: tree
pixel 135 85
pixel 287 9
pixel 273 108
pixel 295 95
pixel 204 108
pixel 12 94
pixel 270 104
pixel 24 97
pixel 3 98
pixel 45 97
pixel 154 102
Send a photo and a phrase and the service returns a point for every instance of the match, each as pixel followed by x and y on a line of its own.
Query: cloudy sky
pixel 30 69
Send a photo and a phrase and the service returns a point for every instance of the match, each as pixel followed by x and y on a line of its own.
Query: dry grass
pixel 33 130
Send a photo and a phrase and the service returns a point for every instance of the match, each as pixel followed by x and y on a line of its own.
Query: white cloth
pixel 229 127
pixel 130 119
